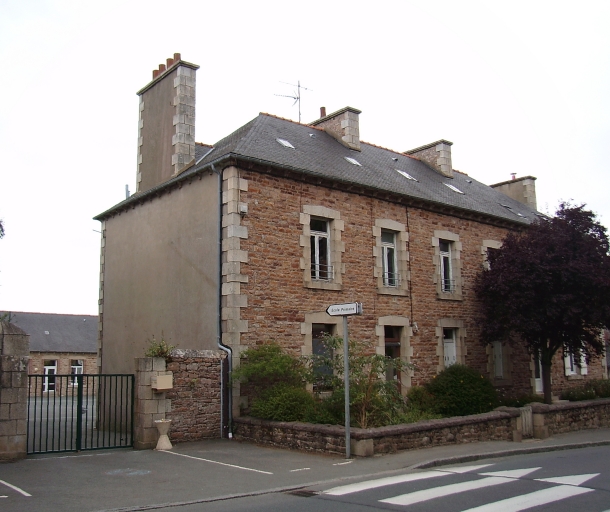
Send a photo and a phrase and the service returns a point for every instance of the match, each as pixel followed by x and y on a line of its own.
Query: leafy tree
pixel 1 228
pixel 549 287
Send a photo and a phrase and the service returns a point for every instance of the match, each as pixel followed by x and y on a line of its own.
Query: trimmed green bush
pixel 284 402
pixel 460 391
pixel 577 394
pixel 600 387
pixel 420 399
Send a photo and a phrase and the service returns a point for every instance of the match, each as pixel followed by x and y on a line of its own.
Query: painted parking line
pixel 300 469
pixel 15 488
pixel 216 462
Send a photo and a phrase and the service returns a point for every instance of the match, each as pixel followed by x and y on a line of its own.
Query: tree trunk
pixel 546 381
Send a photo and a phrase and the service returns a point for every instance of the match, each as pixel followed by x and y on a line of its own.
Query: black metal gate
pixel 80 412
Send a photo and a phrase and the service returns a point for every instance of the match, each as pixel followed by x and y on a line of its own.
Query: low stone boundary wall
pixel 563 417
pixel 498 425
pixel 196 397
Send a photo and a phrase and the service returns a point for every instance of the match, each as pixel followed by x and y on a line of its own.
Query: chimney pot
pixel 155 73
pixel 169 62
pixel 161 68
pixel 177 57
pixel 513 175
pixel 322 112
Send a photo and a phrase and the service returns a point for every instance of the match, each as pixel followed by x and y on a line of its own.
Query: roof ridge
pixel 388 149
pixel 291 121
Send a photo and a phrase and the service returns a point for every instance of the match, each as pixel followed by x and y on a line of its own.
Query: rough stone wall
pixel 14 349
pixel 563 417
pixel 493 426
pixel 196 396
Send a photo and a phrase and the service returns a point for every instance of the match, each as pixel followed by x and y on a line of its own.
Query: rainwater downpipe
pixel 221 346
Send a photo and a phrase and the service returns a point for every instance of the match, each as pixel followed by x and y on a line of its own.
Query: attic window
pixel 352 161
pixel 455 189
pixel 285 143
pixel 46 332
pixel 406 175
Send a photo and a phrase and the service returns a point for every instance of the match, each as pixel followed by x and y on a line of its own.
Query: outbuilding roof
pixel 51 332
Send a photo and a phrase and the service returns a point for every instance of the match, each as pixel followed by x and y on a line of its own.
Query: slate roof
pixel 66 333
pixel 317 153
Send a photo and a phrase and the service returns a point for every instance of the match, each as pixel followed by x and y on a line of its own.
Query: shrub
pixel 577 394
pixel 460 390
pixel 420 399
pixel 519 401
pixel 265 366
pixel 600 387
pixel 284 402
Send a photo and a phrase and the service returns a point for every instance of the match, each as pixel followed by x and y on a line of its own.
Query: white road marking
pixel 302 469
pixel 343 463
pixel 3 496
pixel 569 480
pixel 447 490
pixel 533 499
pixel 216 462
pixel 15 488
pixel 391 480
pixel 515 473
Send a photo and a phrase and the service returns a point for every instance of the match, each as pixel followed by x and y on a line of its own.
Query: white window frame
pixel 450 259
pixel 49 370
pixel 336 247
pixel 449 356
pixel 76 369
pixel 459 338
pixel 572 369
pixel 317 238
pixel 388 260
pixel 381 253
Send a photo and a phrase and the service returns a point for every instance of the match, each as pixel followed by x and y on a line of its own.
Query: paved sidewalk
pixel 205 471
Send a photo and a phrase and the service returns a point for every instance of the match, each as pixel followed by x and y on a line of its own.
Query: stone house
pixel 226 246
pixel 59 345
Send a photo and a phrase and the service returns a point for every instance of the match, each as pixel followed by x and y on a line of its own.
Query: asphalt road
pixel 227 475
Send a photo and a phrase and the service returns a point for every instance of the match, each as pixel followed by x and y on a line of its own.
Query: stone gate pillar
pixel 14 356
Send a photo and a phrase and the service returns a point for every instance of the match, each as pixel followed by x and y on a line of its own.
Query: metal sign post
pixel 345 310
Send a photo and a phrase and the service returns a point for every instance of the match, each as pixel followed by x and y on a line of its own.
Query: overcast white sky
pixel 517 86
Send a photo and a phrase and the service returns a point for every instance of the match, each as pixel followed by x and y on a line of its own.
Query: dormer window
pixel 285 143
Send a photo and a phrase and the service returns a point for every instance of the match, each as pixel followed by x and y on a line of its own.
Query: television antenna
pixel 297 95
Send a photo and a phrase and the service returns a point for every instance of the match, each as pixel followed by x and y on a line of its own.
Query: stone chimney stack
pixel 437 155
pixel 520 189
pixel 342 125
pixel 166 131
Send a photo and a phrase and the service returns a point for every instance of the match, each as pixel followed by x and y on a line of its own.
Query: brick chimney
pixel 342 125
pixel 519 189
pixel 166 131
pixel 437 155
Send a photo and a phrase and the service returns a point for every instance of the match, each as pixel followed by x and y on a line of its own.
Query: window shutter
pixel 449 352
pixel 567 364
pixel 498 360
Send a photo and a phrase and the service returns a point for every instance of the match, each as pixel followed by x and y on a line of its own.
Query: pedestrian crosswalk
pixel 565 487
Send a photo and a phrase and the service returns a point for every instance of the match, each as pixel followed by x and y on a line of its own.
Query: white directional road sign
pixel 352 308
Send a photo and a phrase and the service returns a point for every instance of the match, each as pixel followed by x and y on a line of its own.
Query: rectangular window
pixel 449 338
pixel 447 282
pixel 388 247
pixel 321 270
pixel 392 349
pixel 498 360
pixel 318 348
pixel 574 366
pixel 50 370
pixel 76 368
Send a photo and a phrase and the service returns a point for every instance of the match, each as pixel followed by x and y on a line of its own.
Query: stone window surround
pixel 402 256
pixel 318 317
pixel 507 365
pixel 485 245
pixel 456 264
pixel 337 247
pixel 406 350
pixel 460 343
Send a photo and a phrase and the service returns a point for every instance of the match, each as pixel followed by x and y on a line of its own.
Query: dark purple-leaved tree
pixel 549 288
